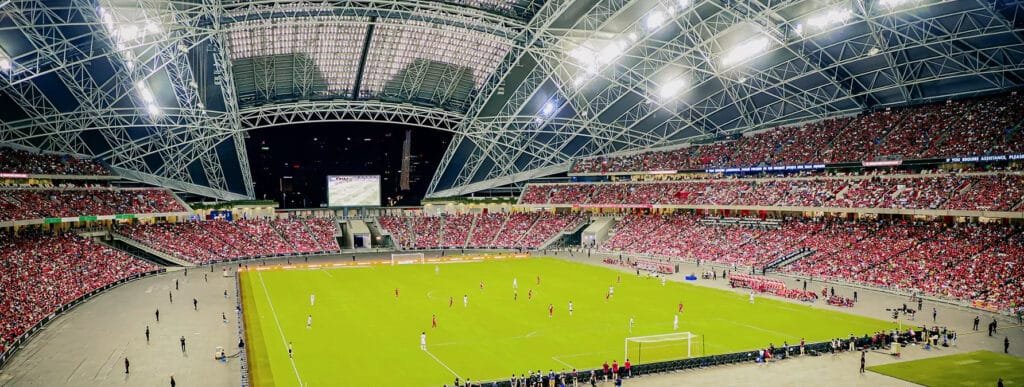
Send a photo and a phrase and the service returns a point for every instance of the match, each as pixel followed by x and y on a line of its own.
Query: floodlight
pixel 873 51
pixel 6 64
pixel 683 4
pixel 671 88
pixel 746 50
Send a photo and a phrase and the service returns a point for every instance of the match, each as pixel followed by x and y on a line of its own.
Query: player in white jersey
pixel 631 325
pixel 423 341
pixel 675 323
pixel 309 321
pixel 465 300
pixel 312 299
pixel 611 291
pixel 663 279
pixel 570 308
pixel 751 297
pixel 515 284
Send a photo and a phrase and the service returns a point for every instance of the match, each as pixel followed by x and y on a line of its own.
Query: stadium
pixel 511 192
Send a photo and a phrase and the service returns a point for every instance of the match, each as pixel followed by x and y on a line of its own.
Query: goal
pixel 404 258
pixel 655 348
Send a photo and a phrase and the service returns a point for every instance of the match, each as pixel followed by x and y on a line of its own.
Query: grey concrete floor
pixel 87 346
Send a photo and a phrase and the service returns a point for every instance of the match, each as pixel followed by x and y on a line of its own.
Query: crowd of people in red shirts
pixel 40 272
pixel 23 162
pixel 965 261
pixel 30 203
pixel 528 230
pixel 970 192
pixel 971 127
pixel 219 240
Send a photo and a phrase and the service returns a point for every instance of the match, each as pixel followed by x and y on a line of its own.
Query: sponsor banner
pixel 882 163
pixel 777 168
pixel 14 175
pixel 87 218
pixel 51 220
pixel 665 172
pixel 124 216
pixel 612 206
pixel 976 159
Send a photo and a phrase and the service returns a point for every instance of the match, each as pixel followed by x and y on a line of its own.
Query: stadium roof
pixel 164 91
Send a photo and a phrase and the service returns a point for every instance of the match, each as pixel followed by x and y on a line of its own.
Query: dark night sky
pixel 310 152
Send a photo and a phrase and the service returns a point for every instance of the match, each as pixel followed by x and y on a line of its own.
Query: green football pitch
pixel 980 368
pixel 362 334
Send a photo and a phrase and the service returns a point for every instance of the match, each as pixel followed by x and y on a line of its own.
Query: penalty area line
pixel 278 322
pixel 555 358
pixel 442 364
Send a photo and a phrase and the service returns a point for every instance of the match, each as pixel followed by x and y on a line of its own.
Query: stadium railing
pixel 18 342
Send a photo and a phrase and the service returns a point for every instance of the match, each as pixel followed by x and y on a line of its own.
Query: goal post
pixel 655 348
pixel 404 258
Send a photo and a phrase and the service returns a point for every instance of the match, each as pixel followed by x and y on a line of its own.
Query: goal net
pixel 404 258
pixel 672 346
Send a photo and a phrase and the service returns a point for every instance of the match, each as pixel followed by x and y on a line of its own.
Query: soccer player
pixel 675 323
pixel 663 279
pixel 433 321
pixel 465 300
pixel 618 278
pixel 515 284
pixel 437 270
pixel 481 285
pixel 611 291
pixel 551 310
pixel 538 280
pixel 423 341
pixel 680 307
pixel 630 324
pixel 751 296
pixel 289 349
pixel 570 308
pixel 529 295
pixel 451 301
pixel 515 295
pixel 396 292
pixel 309 321
pixel 312 299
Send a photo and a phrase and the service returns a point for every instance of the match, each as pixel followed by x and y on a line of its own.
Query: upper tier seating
pixel 972 127
pixel 27 204
pixel 19 161
pixel 969 192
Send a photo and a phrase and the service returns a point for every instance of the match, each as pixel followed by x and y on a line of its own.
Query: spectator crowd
pixel 39 273
pixel 972 127
pixel 219 240
pixel 23 162
pixel 526 230
pixel 28 203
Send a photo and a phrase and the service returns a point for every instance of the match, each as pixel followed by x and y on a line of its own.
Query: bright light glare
pixel 683 4
pixel 895 3
pixel 833 17
pixel 549 109
pixel 153 110
pixel 655 20
pixel 6 64
pixel 671 88
pixel 745 51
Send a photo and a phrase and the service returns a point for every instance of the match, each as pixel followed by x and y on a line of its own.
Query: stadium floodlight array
pixel 395 47
pixel 671 88
pixel 654 348
pixel 407 258
pixel 333 43
pixel 746 50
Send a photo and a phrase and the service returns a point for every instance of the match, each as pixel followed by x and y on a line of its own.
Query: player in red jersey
pixel 396 292
pixel 433 322
pixel 551 310
pixel 680 307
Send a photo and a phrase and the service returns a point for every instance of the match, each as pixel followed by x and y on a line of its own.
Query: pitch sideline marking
pixel 328 273
pixel 442 364
pixel 279 330
pixel 555 358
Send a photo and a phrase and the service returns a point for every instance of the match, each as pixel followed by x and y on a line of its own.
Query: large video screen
pixel 353 191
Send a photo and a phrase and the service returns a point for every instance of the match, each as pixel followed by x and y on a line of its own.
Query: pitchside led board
pixel 353 191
